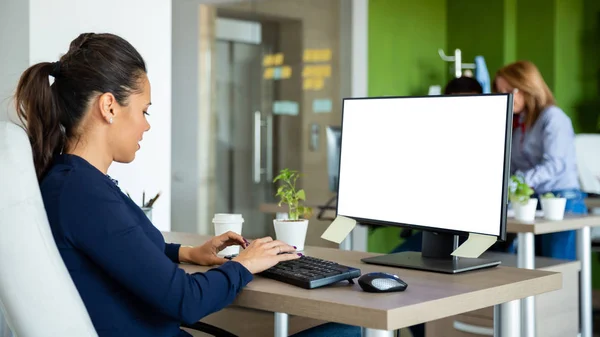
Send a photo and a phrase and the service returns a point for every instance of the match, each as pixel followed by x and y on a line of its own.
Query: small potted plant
pixel 520 198
pixel 553 206
pixel 293 229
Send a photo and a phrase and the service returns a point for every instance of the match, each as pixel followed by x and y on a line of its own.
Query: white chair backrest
pixel 37 295
pixel 587 147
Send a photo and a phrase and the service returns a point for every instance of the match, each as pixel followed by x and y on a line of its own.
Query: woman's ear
pixel 107 105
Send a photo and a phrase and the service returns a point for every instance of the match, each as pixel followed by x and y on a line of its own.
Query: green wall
pixel 535 35
pixel 404 37
pixel 477 28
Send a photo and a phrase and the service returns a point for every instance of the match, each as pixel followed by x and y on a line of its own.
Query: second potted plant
pixel 553 206
pixel 293 229
pixel 520 198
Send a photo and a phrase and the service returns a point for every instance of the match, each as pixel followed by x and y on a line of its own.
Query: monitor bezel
pixel 506 170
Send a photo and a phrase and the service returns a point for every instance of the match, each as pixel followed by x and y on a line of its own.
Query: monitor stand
pixel 436 257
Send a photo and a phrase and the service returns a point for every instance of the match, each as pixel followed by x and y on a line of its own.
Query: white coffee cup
pixel 225 223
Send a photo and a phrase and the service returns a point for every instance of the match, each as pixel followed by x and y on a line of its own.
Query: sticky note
pixel 277 73
pixel 308 55
pixel 278 59
pixel 317 71
pixel 289 108
pixel 325 55
pixel 322 105
pixel 475 245
pixel 286 72
pixel 339 229
pixel 313 83
pixel 268 60
pixel 268 73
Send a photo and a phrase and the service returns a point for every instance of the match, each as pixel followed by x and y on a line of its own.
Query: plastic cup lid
pixel 224 217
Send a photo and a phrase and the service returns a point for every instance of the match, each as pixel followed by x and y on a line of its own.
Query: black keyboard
pixel 309 272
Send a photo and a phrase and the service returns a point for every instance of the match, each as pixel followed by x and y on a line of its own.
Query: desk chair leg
pixel 281 325
pixel 526 260
pixel 584 244
pixel 377 333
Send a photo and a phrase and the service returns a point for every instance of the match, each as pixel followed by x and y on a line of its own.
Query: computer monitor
pixel 334 134
pixel 435 163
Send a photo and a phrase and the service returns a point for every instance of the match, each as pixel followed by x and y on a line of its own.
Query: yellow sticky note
pixel 268 60
pixel 475 245
pixel 318 83
pixel 278 59
pixel 326 71
pixel 324 55
pixel 268 73
pixel 307 71
pixel 339 229
pixel 308 55
pixel 307 84
pixel 286 72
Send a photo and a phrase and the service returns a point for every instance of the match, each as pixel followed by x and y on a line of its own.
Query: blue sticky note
pixel 322 105
pixel 277 73
pixel 289 108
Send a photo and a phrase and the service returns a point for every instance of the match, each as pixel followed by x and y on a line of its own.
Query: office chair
pixel 588 163
pixel 37 295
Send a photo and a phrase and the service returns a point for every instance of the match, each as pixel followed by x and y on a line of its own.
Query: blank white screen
pixel 426 161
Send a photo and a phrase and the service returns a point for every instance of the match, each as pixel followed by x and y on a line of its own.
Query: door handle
pixel 269 167
pixel 257 157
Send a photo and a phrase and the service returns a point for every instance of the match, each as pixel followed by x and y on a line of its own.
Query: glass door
pixel 244 154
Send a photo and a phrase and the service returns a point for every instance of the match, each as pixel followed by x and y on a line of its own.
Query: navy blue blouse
pixel 124 271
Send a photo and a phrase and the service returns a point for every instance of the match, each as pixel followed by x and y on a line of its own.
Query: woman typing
pixel 94 114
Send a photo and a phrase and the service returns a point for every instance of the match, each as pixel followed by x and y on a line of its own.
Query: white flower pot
pixel 525 212
pixel 292 232
pixel 554 208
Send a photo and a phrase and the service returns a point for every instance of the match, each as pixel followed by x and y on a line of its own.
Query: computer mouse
pixel 379 282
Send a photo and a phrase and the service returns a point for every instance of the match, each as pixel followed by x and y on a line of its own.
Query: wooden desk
pixel 526 259
pixel 429 296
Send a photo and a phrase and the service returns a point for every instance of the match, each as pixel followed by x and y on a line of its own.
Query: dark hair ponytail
pixel 95 64
pixel 38 110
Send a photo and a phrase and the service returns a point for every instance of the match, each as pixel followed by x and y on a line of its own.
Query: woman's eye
pixel 146 113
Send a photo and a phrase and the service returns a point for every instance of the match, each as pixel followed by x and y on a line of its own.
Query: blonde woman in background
pixel 543 148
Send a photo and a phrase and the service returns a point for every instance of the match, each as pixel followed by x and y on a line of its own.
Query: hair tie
pixel 55 69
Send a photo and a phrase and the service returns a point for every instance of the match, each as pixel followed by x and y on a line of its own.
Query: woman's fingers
pixel 275 243
pixel 233 236
pixel 287 257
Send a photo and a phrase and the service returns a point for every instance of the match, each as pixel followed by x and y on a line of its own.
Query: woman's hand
pixel 206 254
pixel 264 253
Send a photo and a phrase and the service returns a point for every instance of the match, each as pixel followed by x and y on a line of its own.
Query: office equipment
pixel 379 282
pixel 310 272
pixel 398 154
pixel 437 295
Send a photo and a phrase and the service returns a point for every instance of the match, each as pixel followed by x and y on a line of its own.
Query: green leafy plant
pixel 291 196
pixel 549 196
pixel 519 191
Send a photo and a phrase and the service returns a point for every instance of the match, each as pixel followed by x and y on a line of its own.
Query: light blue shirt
pixel 545 154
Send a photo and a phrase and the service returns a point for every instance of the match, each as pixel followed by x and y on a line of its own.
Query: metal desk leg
pixel 281 325
pixel 584 252
pixel 347 243
pixel 377 333
pixel 526 260
pixel 507 319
